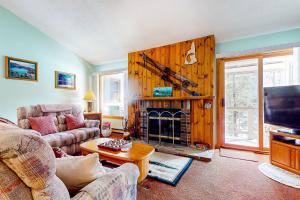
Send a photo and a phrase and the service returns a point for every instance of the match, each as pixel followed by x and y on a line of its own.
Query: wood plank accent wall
pixel 141 81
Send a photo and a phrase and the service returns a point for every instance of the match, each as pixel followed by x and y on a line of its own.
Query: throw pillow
pixel 75 121
pixel 45 124
pixel 59 153
pixel 78 171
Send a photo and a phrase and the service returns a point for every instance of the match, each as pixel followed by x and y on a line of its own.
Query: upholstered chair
pixel 28 166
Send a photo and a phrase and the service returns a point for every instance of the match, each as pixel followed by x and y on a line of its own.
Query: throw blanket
pixel 55 107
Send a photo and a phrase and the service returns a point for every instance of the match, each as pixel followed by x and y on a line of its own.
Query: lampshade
pixel 89 96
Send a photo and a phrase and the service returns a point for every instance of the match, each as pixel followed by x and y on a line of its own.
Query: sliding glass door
pixel 241 81
pixel 241 105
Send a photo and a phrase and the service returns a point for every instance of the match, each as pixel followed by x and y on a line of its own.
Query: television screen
pixel 282 106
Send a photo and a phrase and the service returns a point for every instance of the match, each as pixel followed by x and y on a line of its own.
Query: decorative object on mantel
pixel 106 129
pixel 190 57
pixel 65 80
pixel 90 98
pixel 280 175
pixel 165 73
pixel 20 69
pixel 162 91
pixel 207 105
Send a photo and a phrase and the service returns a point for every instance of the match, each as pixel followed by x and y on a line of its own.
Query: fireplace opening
pixel 166 125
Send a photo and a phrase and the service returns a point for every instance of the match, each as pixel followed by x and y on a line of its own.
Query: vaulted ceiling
pixel 106 30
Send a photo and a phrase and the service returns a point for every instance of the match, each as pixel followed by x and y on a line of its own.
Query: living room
pixel 153 100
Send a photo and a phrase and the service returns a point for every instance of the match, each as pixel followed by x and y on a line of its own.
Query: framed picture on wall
pixel 20 69
pixel 65 80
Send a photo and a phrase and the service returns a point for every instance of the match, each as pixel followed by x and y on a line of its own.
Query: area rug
pixel 237 154
pixel 280 175
pixel 168 168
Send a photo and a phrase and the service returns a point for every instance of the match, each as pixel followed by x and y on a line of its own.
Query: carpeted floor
pixel 222 178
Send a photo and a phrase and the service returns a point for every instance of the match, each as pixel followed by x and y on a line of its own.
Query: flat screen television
pixel 282 106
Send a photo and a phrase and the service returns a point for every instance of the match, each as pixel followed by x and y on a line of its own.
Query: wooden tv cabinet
pixel 285 154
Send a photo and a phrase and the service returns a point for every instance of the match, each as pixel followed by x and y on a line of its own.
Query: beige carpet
pixel 221 179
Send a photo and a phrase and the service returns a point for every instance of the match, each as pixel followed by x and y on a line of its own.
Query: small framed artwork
pixel 20 69
pixel 65 80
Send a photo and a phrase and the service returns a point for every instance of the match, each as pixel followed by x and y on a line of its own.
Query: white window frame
pixel 123 94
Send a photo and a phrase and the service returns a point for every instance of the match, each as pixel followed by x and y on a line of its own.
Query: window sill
pixel 113 117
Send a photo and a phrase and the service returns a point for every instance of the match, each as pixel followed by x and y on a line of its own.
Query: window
pixel 112 99
pixel 277 71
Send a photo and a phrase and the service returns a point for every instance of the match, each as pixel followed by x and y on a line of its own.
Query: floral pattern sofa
pixel 28 166
pixel 67 140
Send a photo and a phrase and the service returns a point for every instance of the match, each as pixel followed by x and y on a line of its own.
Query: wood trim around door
pixel 260 103
pixel 220 103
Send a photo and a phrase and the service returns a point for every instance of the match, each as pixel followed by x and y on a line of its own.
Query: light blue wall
pixel 116 65
pixel 21 40
pixel 241 45
pixel 262 41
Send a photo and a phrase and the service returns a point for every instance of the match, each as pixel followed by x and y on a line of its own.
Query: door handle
pixel 223 102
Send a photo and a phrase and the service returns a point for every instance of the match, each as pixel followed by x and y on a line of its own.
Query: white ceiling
pixel 106 30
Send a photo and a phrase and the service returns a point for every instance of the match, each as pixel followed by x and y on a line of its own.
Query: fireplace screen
pixel 167 125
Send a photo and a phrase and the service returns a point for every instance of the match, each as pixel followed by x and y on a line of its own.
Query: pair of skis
pixel 166 73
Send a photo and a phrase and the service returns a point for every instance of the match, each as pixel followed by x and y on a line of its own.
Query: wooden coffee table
pixel 138 154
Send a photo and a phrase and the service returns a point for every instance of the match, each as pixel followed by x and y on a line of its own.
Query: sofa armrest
pixel 119 183
pixel 91 123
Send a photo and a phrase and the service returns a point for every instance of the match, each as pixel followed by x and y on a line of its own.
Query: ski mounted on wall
pixel 167 70
pixel 165 73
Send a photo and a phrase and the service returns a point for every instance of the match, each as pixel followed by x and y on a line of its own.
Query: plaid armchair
pixel 27 171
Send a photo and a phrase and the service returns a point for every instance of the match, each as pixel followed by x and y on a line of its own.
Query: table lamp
pixel 90 98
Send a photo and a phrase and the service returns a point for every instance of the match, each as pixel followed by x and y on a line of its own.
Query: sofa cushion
pixel 60 139
pixel 24 123
pixel 83 134
pixel 75 121
pixel 91 123
pixel 61 119
pixel 45 124
pixel 62 125
pixel 66 138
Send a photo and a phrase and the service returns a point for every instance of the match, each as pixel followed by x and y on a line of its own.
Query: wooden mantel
pixel 141 82
pixel 174 98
